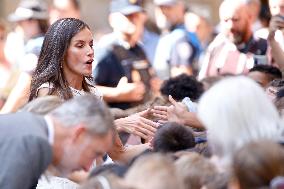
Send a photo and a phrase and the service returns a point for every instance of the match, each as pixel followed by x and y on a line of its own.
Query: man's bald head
pixel 236 20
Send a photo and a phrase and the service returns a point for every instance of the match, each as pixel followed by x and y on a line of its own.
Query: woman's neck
pixel 75 81
pixel 73 78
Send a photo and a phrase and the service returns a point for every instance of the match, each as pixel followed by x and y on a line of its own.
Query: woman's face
pixel 80 54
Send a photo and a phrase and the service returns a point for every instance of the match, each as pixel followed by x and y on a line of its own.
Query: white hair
pixel 236 111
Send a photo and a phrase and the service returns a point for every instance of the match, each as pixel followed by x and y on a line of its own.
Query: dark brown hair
pixel 49 67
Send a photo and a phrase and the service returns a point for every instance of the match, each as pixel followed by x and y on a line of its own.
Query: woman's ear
pixel 121 23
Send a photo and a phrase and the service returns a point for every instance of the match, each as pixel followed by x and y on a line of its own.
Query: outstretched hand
pixel 138 125
pixel 173 113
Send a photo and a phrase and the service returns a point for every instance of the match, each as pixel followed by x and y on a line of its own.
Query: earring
pixel 61 64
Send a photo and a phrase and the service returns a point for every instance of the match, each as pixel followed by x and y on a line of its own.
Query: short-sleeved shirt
pixel 116 59
pixel 224 57
pixel 179 47
pixel 75 92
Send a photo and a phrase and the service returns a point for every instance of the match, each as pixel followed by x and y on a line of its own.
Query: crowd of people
pixel 171 104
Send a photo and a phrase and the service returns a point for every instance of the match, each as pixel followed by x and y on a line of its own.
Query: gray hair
pixel 236 111
pixel 42 105
pixel 86 109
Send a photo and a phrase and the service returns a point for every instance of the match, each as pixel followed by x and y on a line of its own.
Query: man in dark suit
pixel 69 138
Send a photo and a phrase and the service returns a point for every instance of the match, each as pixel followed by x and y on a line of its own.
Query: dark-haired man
pixel 264 74
pixel 173 137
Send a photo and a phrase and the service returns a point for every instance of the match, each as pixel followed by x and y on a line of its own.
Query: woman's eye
pixel 80 45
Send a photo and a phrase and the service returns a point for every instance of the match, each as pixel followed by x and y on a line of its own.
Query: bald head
pixel 236 20
pixel 229 7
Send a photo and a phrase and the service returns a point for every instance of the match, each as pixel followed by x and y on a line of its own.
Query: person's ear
pixel 78 132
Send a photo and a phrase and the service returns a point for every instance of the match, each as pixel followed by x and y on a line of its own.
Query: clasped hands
pixel 139 124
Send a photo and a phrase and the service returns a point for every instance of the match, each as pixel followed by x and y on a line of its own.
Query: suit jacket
pixel 24 150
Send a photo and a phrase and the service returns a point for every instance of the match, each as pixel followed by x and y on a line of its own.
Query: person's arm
pixel 137 124
pixel 124 155
pixel 181 54
pixel 181 69
pixel 19 94
pixel 124 92
pixel 177 112
pixel 276 51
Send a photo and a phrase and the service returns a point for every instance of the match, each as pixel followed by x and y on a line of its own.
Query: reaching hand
pixel 173 113
pixel 130 92
pixel 137 125
pixel 146 113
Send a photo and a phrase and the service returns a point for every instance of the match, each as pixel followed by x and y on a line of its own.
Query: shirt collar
pixel 50 128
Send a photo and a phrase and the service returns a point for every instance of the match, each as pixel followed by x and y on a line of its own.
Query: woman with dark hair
pixel 65 62
pixel 65 66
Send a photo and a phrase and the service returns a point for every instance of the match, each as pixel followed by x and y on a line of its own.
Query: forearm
pixel 117 149
pixel 122 154
pixel 119 125
pixel 132 151
pixel 19 95
pixel 110 94
pixel 277 53
pixel 190 119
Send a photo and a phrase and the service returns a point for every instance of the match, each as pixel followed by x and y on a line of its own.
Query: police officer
pixel 122 72
pixel 178 50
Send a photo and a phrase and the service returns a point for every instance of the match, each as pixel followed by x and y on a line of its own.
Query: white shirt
pixel 50 128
